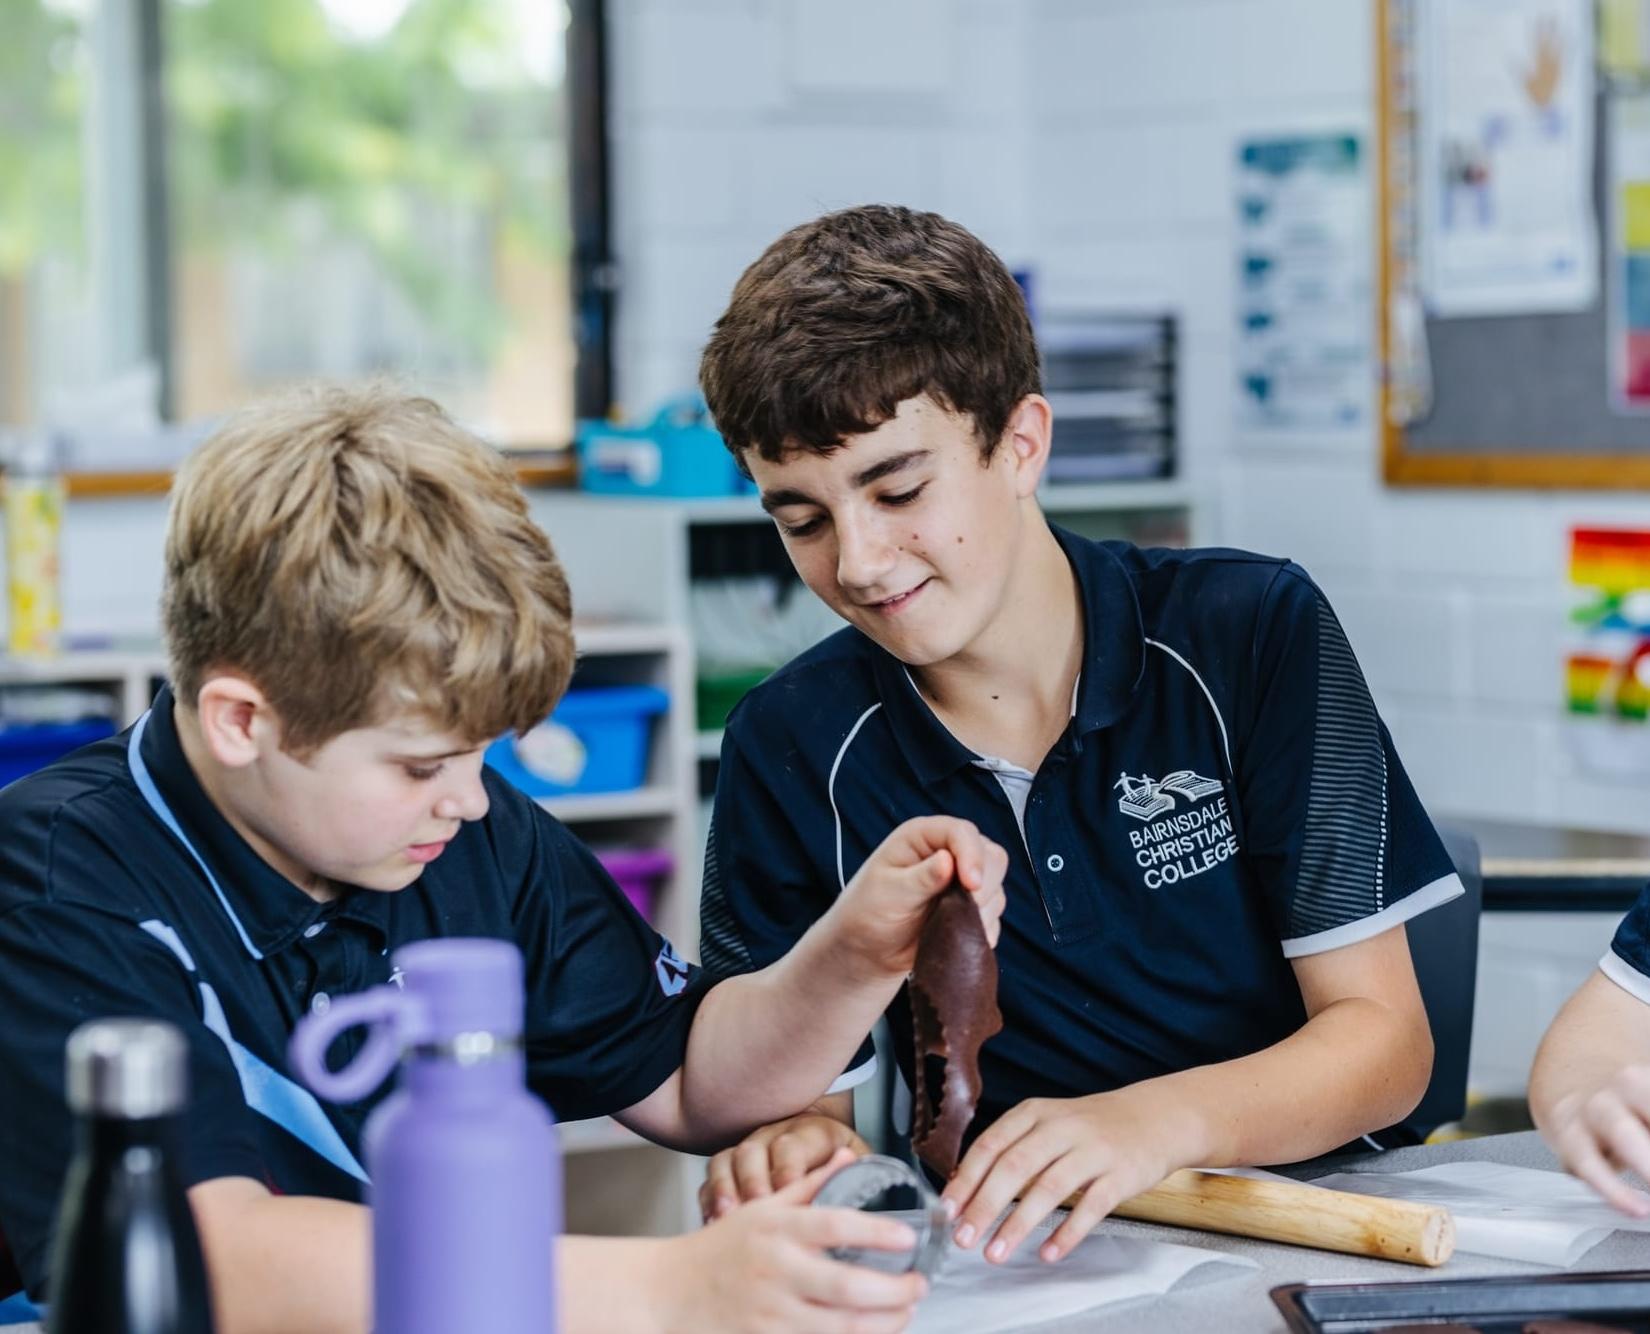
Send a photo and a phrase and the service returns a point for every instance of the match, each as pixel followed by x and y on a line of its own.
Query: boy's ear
pixel 1030 431
pixel 235 719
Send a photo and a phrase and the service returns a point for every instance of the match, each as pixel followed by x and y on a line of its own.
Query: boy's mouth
pixel 426 852
pixel 898 602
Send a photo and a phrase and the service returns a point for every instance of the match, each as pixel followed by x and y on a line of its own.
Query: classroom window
pixel 48 332
pixel 333 188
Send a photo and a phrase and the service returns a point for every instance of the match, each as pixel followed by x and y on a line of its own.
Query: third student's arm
pixel 1590 1088
pixel 766 1045
pixel 1361 1061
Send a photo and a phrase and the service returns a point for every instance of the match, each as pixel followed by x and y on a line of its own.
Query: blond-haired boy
pixel 355 603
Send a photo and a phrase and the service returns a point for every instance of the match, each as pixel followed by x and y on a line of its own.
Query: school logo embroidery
pixel 1181 845
pixel 1145 796
pixel 671 971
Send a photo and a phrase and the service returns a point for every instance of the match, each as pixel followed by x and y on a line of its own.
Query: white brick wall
pixel 734 119
pixel 1528 966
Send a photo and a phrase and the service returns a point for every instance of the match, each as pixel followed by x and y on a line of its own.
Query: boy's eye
pixel 800 529
pixel 422 775
pixel 904 497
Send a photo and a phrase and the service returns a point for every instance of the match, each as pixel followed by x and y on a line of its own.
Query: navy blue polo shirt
pixel 105 911
pixel 1627 961
pixel 1224 799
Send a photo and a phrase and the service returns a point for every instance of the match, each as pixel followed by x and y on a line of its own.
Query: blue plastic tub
pixel 25 747
pixel 678 453
pixel 595 741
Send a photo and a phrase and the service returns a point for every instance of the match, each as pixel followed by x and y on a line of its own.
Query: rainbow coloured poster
pixel 1607 673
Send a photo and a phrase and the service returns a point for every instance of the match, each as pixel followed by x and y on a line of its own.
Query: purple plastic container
pixel 638 872
pixel 466 1179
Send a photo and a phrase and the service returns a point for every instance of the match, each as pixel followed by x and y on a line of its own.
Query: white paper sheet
pixel 1506 156
pixel 1026 1292
pixel 1513 1213
pixel 1303 264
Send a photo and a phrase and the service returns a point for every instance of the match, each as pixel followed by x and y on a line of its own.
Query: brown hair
pixel 844 318
pixel 355 553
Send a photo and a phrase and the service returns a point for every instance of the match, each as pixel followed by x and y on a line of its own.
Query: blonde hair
pixel 355 553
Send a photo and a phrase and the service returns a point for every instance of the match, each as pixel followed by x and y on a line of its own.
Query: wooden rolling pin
pixel 1287 1211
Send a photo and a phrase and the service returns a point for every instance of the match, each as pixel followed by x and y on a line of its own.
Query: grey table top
pixel 1242 1304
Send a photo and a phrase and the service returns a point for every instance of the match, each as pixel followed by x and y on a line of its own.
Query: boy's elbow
pixel 1413 1068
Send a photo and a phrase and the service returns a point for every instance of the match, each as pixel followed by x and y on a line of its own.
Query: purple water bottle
pixel 465 1176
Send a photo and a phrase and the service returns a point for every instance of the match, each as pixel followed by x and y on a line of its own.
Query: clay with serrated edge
pixel 954 1010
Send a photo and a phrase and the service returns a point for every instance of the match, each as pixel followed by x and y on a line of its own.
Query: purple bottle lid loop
pixel 396 1021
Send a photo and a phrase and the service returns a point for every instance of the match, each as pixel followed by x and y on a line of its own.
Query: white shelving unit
pixel 127 676
pixel 618 1183
pixel 641 804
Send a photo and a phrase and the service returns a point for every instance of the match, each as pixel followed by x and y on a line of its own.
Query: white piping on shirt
pixel 1429 895
pixel 1625 976
pixel 853 1078
pixel 830 788
pixel 1225 741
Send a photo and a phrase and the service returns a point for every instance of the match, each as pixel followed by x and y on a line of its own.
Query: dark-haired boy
pixel 1213 845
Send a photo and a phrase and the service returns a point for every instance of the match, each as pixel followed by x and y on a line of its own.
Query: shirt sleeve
pixel 1332 825
pixel 609 1000
pixel 1627 961
pixel 761 891
pixel 61 965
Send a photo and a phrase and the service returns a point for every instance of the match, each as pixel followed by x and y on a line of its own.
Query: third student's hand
pixel 1110 1146
pixel 1599 1132
pixel 772 1158
pixel 764 1269
pixel 880 914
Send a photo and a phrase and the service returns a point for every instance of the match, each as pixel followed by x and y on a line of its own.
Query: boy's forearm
pixel 284 1263
pixel 1354 1067
pixel 780 1037
pixel 287 1264
pixel 1601 1030
pixel 608 1285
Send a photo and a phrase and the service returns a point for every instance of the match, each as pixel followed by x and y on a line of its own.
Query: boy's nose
pixel 467 803
pixel 863 556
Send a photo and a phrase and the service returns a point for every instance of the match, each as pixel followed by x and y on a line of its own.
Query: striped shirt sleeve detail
pixel 721 948
pixel 1344 843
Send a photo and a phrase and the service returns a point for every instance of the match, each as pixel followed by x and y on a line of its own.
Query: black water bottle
pixel 127 1259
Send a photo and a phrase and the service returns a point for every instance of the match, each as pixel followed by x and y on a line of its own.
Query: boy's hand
pixel 764 1269
pixel 772 1158
pixel 879 916
pixel 1597 1133
pixel 1110 1146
